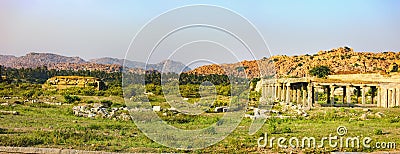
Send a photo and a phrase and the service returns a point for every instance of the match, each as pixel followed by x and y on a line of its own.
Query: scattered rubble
pixel 221 109
pixel 364 116
pixel 156 108
pixel 10 112
pixel 366 110
pixel 51 103
pixel 292 110
pixel 98 110
pixel 379 114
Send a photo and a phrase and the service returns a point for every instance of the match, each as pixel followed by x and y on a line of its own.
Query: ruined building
pixel 63 82
pixel 380 90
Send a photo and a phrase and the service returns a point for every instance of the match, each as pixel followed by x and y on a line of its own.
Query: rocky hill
pixel 33 60
pixel 341 61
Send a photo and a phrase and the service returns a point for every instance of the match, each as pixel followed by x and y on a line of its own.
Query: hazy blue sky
pixel 99 28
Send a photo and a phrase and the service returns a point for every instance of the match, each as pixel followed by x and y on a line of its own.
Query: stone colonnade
pixel 305 92
pixel 389 95
pixel 301 92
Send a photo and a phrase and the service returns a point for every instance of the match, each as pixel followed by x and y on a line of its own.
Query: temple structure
pixel 381 90
pixel 63 82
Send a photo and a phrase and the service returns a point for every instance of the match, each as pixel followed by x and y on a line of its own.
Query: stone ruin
pixel 63 82
pixel 102 111
pixel 305 90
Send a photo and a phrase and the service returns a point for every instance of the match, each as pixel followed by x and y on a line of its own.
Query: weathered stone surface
pixel 379 114
pixel 366 110
pixel 156 108
pixel 98 110
pixel 10 112
pixel 364 116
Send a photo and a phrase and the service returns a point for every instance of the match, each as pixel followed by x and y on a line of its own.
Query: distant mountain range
pixel 54 61
pixel 342 60
pixel 169 65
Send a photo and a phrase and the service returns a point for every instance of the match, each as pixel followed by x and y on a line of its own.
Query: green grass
pixel 42 125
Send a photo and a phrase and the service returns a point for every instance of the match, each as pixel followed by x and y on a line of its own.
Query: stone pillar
pixel 316 89
pixel 310 99
pixel 393 97
pixel 390 98
pixel 288 92
pixel 363 89
pixel 263 91
pixel 332 97
pixel 348 94
pixel 274 89
pixel 293 94
pixel 279 89
pixel 298 95
pixel 283 92
pixel 304 96
pixel 384 96
pixel 268 92
pixel 397 96
pixel 378 101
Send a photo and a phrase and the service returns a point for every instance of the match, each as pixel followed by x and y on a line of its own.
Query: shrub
pixel 2 131
pixel 378 132
pixel 118 105
pixel 272 128
pixel 94 127
pixel 71 99
pixel 89 101
pixel 28 94
pixel 396 120
pixel 286 130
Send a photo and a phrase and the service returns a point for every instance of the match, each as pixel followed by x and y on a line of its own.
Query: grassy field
pixel 42 125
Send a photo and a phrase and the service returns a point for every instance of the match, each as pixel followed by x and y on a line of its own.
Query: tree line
pixel 40 75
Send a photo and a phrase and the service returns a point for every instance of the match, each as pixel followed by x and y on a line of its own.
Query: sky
pixel 105 28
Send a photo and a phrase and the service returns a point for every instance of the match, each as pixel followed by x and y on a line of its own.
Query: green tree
pixel 71 99
pixel 320 71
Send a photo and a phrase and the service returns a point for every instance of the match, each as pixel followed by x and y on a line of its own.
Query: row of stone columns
pixel 306 93
pixel 300 93
pixel 347 93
